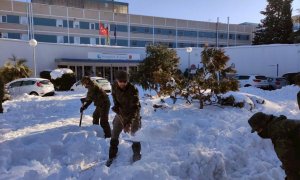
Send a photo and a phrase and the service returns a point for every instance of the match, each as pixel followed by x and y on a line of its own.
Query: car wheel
pixel 34 93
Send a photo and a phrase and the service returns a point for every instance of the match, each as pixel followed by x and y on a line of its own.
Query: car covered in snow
pixel 102 82
pixel 258 81
pixel 31 86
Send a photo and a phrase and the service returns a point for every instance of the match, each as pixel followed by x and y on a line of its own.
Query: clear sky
pixel 238 11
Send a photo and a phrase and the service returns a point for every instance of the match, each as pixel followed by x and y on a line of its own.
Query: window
pixel 59 23
pixel 24 37
pixel 13 19
pixel 15 84
pixel 92 26
pixel 24 20
pixel 3 19
pixel 76 40
pixel 93 41
pixel 44 21
pixel 60 39
pixel 28 83
pixel 76 24
pixel 4 35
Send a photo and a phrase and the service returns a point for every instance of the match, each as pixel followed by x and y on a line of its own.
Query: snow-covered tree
pixel 211 79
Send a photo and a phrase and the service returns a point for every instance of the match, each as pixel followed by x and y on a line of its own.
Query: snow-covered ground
pixel 40 139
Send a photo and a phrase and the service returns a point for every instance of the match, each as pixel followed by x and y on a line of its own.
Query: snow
pixel 40 139
pixel 57 73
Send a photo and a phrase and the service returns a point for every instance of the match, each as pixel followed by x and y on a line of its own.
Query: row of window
pixel 95 41
pixel 119 28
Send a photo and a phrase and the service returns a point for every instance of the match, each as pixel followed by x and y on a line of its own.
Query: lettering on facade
pixel 105 56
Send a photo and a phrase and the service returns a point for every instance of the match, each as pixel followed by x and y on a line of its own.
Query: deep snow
pixel 40 139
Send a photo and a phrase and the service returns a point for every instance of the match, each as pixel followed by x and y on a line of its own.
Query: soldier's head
pixel 86 81
pixel 258 123
pixel 122 79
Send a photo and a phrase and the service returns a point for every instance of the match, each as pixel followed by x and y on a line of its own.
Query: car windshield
pixel 102 81
pixel 261 77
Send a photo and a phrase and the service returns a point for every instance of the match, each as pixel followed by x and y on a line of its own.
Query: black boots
pixel 113 150
pixel 136 148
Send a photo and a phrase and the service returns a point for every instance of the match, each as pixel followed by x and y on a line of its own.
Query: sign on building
pixel 106 56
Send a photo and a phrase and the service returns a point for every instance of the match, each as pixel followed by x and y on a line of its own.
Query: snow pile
pixel 40 139
pixel 57 73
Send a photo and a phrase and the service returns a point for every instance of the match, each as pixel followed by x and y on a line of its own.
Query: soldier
pixel 285 136
pixel 127 108
pixel 1 94
pixel 97 95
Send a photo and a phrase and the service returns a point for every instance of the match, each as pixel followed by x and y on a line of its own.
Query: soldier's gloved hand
pixel 82 100
pixel 115 110
pixel 127 128
pixel 82 109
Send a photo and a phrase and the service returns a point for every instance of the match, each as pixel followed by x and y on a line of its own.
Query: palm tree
pixel 15 68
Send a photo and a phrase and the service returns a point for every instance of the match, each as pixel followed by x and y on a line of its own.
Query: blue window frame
pixel 84 25
pixel 85 40
pixel 45 38
pixel 14 35
pixel 13 19
pixel 65 24
pixel 119 28
pixel 44 21
pixel 4 18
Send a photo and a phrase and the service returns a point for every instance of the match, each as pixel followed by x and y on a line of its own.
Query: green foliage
pixel 156 69
pixel 277 26
pixel 14 68
pixel 208 82
pixel 65 82
pixel 45 75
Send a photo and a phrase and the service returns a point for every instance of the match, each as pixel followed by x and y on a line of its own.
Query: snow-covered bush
pixel 62 79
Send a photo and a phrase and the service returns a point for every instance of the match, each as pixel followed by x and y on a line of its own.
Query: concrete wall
pixel 247 59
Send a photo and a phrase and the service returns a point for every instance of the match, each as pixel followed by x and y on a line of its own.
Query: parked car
pixel 253 80
pixel 277 82
pixel 32 86
pixel 102 82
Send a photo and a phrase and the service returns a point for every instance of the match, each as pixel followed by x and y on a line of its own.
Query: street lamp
pixel 33 43
pixel 189 50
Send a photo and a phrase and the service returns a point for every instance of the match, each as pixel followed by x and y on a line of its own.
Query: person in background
pixel 127 108
pixel 285 136
pixel 97 95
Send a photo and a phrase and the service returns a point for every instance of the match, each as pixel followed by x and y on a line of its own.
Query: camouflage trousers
pixel 292 175
pixel 101 113
pixel 114 142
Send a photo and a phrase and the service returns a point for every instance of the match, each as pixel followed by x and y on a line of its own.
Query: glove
pixel 127 128
pixel 115 110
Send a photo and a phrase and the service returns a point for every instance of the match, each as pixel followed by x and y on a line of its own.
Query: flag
pixel 103 30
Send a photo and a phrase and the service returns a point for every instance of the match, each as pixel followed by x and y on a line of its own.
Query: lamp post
pixel 277 68
pixel 33 43
pixel 189 50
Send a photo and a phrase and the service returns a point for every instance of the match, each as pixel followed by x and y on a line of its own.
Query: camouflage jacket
pixel 285 136
pixel 128 104
pixel 1 89
pixel 97 95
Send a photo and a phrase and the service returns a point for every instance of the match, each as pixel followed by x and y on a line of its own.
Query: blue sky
pixel 238 11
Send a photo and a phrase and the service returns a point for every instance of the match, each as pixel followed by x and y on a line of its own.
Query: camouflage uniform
pixel 285 136
pixel 1 94
pixel 101 101
pixel 127 108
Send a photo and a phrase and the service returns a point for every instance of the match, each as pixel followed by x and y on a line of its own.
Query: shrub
pixel 65 82
pixel 45 75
